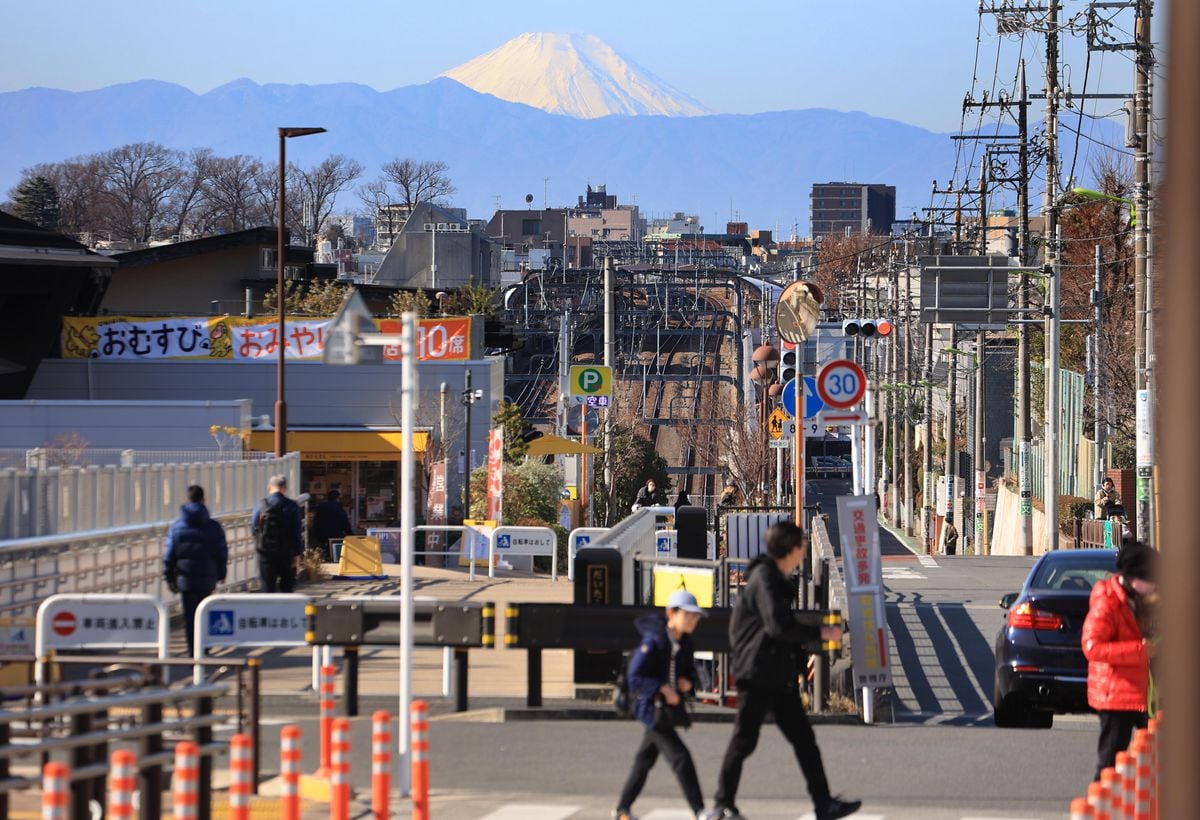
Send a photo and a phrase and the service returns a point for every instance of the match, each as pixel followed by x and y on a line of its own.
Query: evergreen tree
pixel 36 201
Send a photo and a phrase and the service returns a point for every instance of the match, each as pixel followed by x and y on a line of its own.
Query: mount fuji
pixel 577 75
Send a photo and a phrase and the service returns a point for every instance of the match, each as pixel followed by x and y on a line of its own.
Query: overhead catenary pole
pixel 1024 431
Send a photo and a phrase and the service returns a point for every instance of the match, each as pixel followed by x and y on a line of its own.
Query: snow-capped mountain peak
pixel 577 75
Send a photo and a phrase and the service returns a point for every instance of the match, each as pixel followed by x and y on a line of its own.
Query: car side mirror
pixel 1008 600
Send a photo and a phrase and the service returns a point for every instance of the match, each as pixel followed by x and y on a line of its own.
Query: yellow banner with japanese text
pixel 238 339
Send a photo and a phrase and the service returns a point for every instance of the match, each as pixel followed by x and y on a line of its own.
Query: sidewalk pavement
pixel 497 672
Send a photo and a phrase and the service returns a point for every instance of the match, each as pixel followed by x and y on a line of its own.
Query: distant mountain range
pixel 563 107
pixel 760 166
pixel 578 75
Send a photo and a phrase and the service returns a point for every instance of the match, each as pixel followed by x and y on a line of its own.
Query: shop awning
pixel 342 445
pixel 559 446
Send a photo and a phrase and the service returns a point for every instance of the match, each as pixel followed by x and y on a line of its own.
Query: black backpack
pixel 272 539
pixel 623 700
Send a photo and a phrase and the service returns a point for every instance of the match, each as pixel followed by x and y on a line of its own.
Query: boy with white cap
pixel 661 672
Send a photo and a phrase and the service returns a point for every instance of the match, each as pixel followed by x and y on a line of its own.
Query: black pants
pixel 667 742
pixel 1116 730
pixel 753 706
pixel 191 598
pixel 278 574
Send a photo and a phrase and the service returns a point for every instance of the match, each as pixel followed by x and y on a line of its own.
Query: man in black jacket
pixel 767 663
pixel 195 559
pixel 330 521
pixel 275 525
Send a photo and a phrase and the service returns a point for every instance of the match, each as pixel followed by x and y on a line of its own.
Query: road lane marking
pixel 530 811
pixel 902 574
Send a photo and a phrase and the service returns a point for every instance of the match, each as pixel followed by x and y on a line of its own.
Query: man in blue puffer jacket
pixel 661 671
pixel 196 557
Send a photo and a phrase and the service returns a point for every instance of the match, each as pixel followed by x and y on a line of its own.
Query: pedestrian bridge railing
pixel 67 500
pixel 120 560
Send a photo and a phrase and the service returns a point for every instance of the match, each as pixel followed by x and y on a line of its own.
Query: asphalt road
pixel 571 769
pixel 941 757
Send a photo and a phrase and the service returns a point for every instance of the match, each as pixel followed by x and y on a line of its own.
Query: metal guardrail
pixel 83 727
pixel 593 628
pixel 375 621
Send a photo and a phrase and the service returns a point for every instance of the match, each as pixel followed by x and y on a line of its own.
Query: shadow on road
pixel 943 666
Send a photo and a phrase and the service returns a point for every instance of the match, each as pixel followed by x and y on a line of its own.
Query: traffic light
pixel 867 327
pixel 787 365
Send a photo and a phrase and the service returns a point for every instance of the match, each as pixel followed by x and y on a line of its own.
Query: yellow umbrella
pixel 551 445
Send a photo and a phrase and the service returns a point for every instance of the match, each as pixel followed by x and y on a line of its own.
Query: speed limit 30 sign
pixel 841 384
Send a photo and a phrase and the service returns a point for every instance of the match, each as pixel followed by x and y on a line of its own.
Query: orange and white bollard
pixel 381 764
pixel 1097 797
pixel 328 683
pixel 241 775
pixel 1139 749
pixel 291 758
pixel 1126 775
pixel 122 781
pixel 420 760
pixel 56 791
pixel 1082 810
pixel 1111 781
pixel 339 806
pixel 185 792
pixel 1153 736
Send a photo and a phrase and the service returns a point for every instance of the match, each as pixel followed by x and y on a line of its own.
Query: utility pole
pixel 894 398
pixel 951 418
pixel 980 491
pixel 1099 414
pixel 907 515
pixel 1024 422
pixel 1052 268
pixel 927 502
pixel 1143 304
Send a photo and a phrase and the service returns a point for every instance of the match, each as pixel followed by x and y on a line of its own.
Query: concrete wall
pixel 1006 535
pixel 137 425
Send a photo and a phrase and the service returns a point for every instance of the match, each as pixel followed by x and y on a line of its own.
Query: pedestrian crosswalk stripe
pixel 927 561
pixel 858 816
pixel 668 814
pixel 528 811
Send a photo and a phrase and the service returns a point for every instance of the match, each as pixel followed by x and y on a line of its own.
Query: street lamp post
pixel 280 341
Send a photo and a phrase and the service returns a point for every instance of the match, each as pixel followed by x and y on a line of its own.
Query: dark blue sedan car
pixel 1040 668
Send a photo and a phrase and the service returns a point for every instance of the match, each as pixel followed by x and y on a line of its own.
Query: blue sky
pixel 906 59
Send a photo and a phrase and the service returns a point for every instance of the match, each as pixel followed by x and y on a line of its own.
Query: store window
pixel 376 499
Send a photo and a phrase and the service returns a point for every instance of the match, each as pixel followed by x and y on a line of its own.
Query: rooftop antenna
pixel 528 200
pixel 546 193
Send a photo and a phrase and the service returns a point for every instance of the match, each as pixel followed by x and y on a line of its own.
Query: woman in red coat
pixel 1118 643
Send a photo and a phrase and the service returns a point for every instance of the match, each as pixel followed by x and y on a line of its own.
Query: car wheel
pixel 1009 712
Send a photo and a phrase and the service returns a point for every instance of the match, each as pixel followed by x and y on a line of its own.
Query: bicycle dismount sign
pixel 841 384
